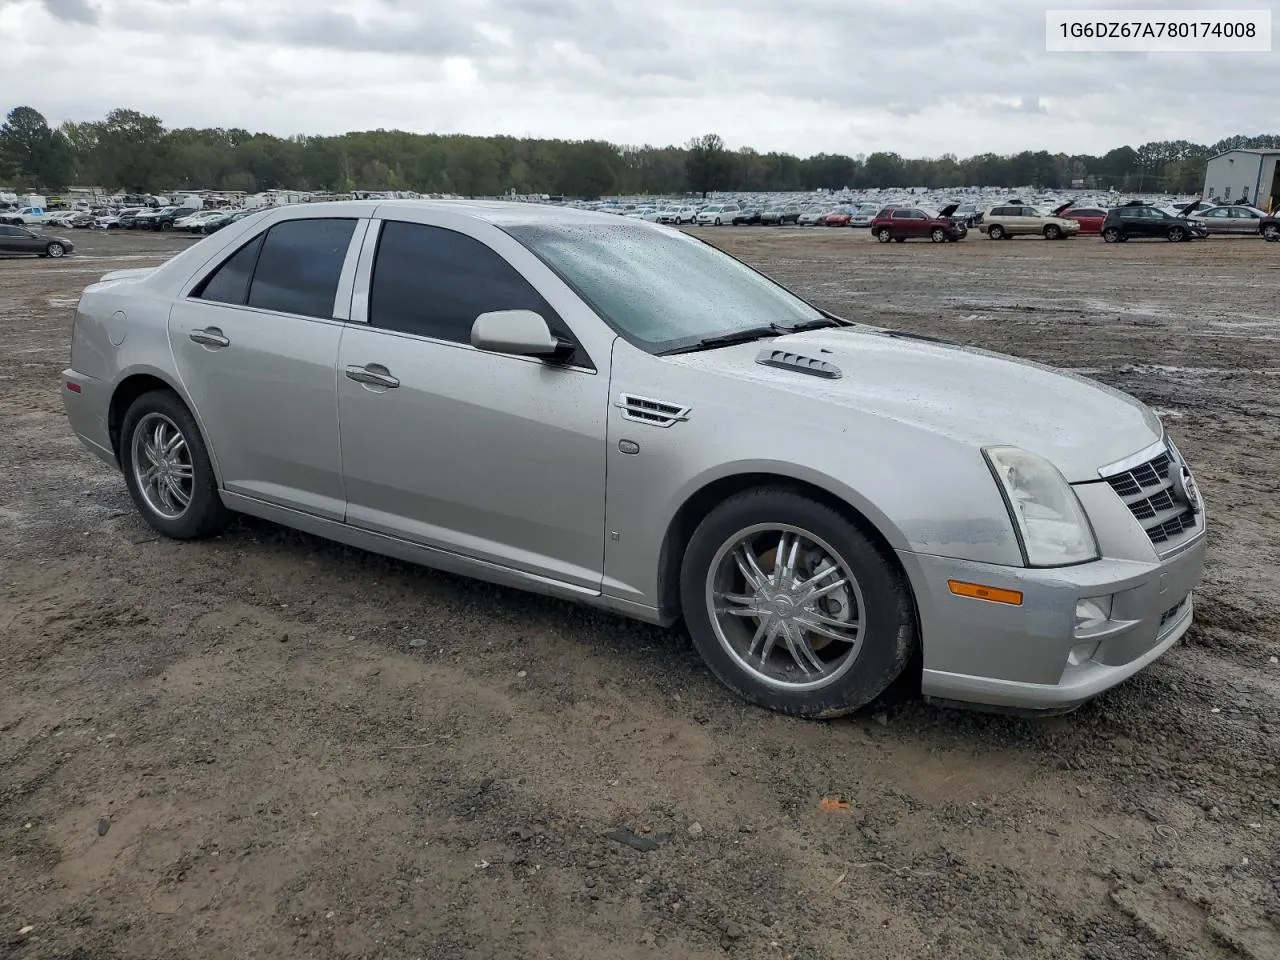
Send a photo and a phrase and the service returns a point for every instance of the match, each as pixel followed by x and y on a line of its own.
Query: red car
pixel 903 223
pixel 840 218
pixel 1089 218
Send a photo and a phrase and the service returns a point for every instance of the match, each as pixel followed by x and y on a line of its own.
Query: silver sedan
pixel 1233 219
pixel 617 413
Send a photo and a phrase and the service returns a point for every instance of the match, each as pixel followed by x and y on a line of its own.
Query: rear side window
pixel 299 266
pixel 230 282
pixel 434 282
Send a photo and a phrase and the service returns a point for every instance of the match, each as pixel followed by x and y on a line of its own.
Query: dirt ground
pixel 265 745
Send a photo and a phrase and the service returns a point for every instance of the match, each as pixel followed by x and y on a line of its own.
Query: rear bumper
pixel 1030 657
pixel 87 401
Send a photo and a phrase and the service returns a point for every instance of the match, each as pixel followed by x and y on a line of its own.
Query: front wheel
pixel 793 606
pixel 1053 232
pixel 939 235
pixel 718 223
pixel 167 468
pixel 55 250
pixel 884 234
pixel 996 232
pixel 1177 234
pixel 1271 232
pixel 1112 235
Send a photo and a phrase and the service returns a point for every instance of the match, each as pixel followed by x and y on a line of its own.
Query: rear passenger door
pixel 255 339
pixel 494 457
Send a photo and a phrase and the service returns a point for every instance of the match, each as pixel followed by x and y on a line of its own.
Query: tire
pixel 1271 232
pixel 55 250
pixel 204 514
pixel 884 234
pixel 1112 235
pixel 877 592
pixel 1177 234
pixel 718 223
pixel 996 232
pixel 1053 232
pixel 939 235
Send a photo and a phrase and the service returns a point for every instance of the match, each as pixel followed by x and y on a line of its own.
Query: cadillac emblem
pixel 1184 486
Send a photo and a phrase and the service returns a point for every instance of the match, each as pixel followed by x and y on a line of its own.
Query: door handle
pixel 374 375
pixel 210 337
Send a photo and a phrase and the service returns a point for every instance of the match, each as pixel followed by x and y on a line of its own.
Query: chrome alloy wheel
pixel 162 466
pixel 785 607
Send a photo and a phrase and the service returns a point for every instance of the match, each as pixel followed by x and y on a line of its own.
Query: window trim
pixel 362 293
pixel 196 288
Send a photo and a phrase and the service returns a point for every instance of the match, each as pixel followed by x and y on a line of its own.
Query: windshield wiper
pixel 745 335
pixel 817 324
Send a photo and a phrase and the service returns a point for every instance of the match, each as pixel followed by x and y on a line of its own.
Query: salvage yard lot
pixel 268 745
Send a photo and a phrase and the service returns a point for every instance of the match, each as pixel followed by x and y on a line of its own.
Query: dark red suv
pixel 903 223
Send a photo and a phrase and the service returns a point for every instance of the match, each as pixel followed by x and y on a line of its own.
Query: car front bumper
pixel 1030 657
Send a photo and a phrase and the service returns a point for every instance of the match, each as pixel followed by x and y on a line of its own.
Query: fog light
pixel 1092 612
pixel 1082 652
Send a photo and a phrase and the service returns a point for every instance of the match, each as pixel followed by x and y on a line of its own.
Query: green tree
pixel 707 164
pixel 33 151
pixel 130 151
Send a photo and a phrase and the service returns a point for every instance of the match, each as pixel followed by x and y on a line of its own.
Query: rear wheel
pixel 1112 235
pixel 167 468
pixel 793 606
pixel 996 232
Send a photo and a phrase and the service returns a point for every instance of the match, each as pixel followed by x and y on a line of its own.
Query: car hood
pixel 970 395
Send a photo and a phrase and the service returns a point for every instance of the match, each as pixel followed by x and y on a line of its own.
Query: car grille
pixel 1148 491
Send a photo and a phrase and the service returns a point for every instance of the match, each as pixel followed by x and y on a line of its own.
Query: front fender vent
pixel 656 413
pixel 799 363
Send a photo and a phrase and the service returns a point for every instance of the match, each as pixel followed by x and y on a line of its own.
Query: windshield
pixel 660 291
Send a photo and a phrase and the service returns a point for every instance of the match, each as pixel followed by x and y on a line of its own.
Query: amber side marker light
pixel 978 592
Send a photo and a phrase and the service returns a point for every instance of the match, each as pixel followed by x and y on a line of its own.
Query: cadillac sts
pixel 617 413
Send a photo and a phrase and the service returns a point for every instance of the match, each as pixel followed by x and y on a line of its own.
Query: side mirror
pixel 522 332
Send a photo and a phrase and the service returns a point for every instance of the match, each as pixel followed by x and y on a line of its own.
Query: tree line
pixel 132 151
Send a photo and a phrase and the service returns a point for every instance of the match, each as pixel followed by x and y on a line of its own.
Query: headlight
pixel 1051 523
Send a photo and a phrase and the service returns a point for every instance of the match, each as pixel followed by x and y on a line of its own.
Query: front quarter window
pixel 658 290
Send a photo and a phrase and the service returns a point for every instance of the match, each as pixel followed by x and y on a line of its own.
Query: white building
pixel 1244 176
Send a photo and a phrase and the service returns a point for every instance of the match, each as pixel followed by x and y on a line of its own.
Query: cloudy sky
pixel 921 77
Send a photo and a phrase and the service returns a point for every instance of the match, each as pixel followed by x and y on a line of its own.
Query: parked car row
pixel 1133 220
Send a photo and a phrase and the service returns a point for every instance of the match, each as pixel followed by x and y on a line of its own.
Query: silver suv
pixel 617 413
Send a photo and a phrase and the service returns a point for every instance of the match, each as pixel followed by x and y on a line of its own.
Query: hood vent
pixel 799 363
pixel 657 413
